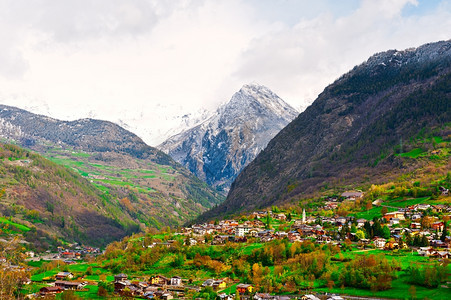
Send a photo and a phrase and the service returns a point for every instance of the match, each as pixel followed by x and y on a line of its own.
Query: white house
pixel 379 243
pixel 176 280
pixel 241 230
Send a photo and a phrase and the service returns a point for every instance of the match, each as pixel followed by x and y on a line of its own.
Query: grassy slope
pixel 400 287
pixel 153 194
pixel 39 198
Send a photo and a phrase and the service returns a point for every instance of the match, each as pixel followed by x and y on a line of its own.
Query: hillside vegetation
pixel 354 133
pixel 154 195
pixel 151 187
pixel 45 202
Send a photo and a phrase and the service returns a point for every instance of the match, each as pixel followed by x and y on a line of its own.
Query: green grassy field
pixel 400 287
pixel 230 290
pixel 17 225
pixel 249 249
pixel 414 153
pixel 80 154
pixel 44 275
pixel 376 211
pixel 371 213
pixel 91 292
pixel 399 290
pixel 37 264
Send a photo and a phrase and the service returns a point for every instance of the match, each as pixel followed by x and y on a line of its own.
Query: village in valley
pixel 413 232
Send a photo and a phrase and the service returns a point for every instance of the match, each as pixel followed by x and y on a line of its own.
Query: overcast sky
pixel 117 59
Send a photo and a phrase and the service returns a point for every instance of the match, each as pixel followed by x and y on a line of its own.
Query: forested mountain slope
pixel 353 131
pixel 52 201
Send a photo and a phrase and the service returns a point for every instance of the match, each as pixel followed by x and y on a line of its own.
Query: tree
pixel 101 291
pixel 207 293
pixel 409 240
pixel 426 222
pixel 330 285
pixel 257 274
pixel 416 240
pixel 89 270
pixel 368 229
pixel 385 232
pixel 384 210
pixel 360 234
pixel 11 281
pixel 445 230
pixel 179 260
pixel 377 228
pixel 237 296
pixel 413 291
pixel 69 295
pixel 268 220
pixel 424 241
pixel 50 207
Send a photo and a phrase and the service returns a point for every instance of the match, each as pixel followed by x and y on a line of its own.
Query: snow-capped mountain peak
pixel 221 146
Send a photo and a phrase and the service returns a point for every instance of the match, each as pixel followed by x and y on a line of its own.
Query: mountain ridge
pixel 86 134
pixel 354 125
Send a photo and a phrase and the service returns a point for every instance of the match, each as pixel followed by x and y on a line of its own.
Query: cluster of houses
pixel 63 282
pixel 161 287
pixel 307 227
pixel 266 296
pixel 68 255
pixel 320 229
pixel 77 252
pixel 431 252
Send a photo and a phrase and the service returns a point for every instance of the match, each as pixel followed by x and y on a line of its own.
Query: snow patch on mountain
pixel 156 125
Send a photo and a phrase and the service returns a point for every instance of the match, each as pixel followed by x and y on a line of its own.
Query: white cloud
pixel 300 61
pixel 118 59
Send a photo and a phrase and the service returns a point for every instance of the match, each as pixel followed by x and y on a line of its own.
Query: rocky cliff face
pixel 351 132
pixel 219 148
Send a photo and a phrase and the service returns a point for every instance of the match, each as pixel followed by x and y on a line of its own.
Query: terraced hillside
pixel 147 184
pixel 45 202
pixel 153 194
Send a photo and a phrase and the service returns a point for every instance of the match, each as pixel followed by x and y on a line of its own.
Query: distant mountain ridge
pixel 86 134
pixel 351 133
pixel 220 147
pixel 153 188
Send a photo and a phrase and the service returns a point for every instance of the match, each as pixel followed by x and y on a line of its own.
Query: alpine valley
pixel 348 200
pixel 135 185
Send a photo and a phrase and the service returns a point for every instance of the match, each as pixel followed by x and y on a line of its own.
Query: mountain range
pixel 355 132
pixel 144 182
pixel 220 147
pixel 360 130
